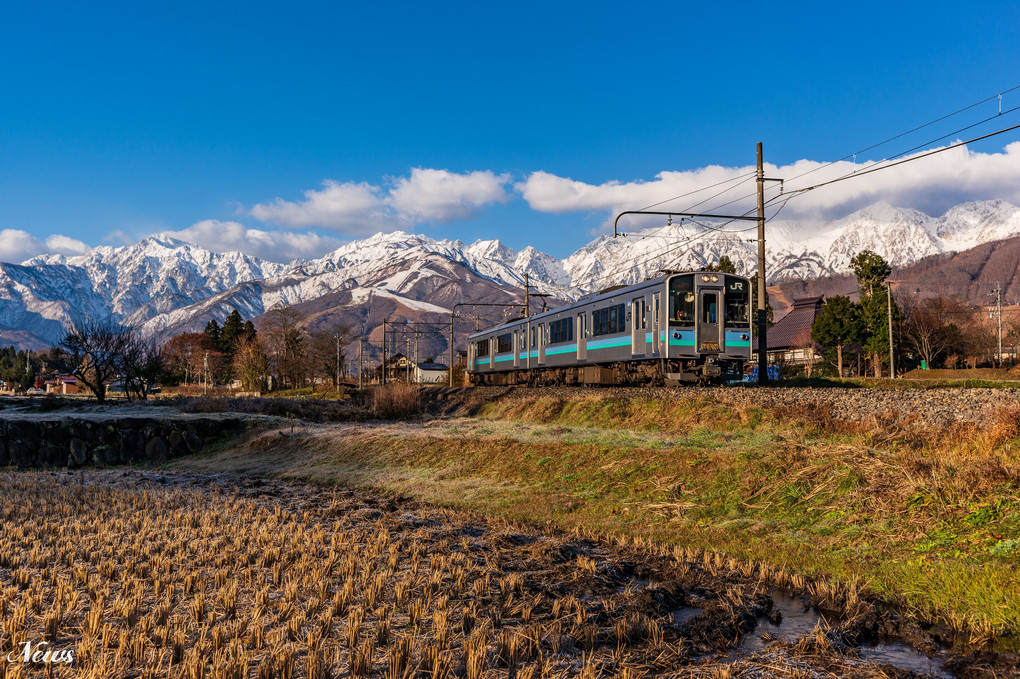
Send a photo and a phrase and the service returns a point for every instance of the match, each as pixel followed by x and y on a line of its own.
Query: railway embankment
pixel 923 407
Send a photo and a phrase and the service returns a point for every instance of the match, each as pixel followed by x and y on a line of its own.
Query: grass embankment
pixel 927 521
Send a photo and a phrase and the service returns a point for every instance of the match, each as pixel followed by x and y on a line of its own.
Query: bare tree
pixel 284 344
pixel 250 364
pixel 322 350
pixel 144 365
pixel 97 350
pixel 930 329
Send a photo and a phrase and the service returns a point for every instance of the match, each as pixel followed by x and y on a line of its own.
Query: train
pixel 681 327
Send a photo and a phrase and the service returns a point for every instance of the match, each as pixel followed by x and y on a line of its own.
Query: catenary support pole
pixel 892 358
pixel 763 351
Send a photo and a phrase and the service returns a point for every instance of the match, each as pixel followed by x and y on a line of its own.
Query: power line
pixel 910 131
pixel 906 160
pixel 703 188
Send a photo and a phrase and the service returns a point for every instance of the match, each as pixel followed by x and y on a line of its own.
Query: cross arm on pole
pixel 616 221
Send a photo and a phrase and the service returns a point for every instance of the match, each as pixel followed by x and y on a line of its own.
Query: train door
pixel 709 321
pixel 517 348
pixel 656 321
pixel 582 336
pixel 541 343
pixel 637 325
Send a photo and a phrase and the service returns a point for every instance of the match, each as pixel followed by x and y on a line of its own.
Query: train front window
pixel 738 299
pixel 709 302
pixel 681 300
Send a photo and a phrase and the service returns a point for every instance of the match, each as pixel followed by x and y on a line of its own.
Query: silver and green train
pixel 682 327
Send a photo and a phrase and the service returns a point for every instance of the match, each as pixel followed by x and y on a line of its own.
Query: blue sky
pixel 308 122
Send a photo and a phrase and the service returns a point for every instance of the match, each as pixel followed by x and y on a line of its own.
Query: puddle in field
pixel 798 620
pixel 633 585
pixel 902 656
pixel 682 615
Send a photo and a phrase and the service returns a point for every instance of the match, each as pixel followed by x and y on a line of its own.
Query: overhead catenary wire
pixel 703 188
pixel 910 131
pixel 905 160
pixel 666 250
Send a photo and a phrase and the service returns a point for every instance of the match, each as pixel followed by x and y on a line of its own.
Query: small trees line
pixel 280 353
pixel 940 330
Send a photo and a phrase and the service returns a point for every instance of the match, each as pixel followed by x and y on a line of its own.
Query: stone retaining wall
pixel 76 442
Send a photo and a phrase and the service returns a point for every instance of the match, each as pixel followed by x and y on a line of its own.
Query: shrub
pixel 396 401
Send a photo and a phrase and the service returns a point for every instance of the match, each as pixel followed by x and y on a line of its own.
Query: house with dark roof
pixel 790 339
pixel 431 373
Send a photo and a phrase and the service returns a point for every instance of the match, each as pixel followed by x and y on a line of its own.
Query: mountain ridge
pixel 164 285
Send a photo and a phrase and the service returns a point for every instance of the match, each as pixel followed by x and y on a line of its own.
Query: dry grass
pixel 396 401
pixel 177 576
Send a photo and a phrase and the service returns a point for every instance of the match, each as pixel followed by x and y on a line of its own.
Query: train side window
pixel 638 314
pixel 483 347
pixel 561 331
pixel 503 344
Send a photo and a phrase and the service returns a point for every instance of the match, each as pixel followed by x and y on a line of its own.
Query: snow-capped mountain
pixel 164 285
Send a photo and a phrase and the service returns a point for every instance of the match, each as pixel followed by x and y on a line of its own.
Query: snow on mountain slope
pixel 899 236
pixel 162 284
pixel 971 224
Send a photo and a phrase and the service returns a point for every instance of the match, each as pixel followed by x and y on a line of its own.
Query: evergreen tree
pixel 725 265
pixel 232 329
pixel 838 324
pixel 871 272
pixel 248 332
pixel 213 331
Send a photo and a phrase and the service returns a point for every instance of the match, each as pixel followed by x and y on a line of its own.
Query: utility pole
pixel 384 351
pixel 337 337
pixel 998 314
pixel 892 362
pixel 407 360
pixel 527 307
pixel 361 363
pixel 763 345
pixel 450 371
pixel 205 370
pixel 416 353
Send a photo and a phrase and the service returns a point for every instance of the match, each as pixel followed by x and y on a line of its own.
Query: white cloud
pixel 444 196
pixel 931 184
pixel 350 208
pixel 64 245
pixel 357 209
pixel 278 246
pixel 17 245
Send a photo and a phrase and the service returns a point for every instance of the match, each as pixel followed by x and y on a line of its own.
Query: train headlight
pixel 745 337
pixel 715 279
pixel 705 278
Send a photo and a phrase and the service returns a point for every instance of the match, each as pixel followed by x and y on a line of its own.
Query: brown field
pixel 155 574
